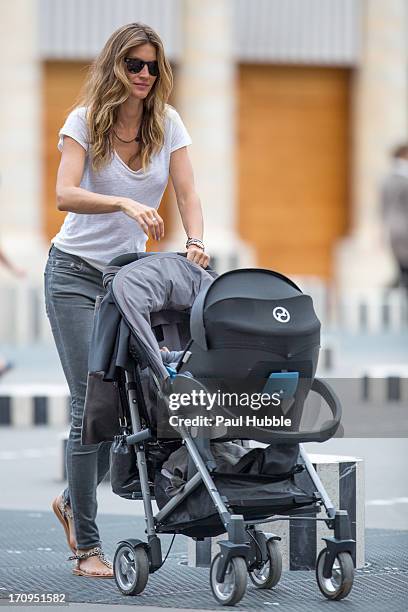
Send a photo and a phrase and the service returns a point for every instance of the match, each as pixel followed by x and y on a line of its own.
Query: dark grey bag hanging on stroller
pixel 247 332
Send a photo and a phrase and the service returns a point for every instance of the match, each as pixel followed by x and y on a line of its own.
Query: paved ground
pixel 33 560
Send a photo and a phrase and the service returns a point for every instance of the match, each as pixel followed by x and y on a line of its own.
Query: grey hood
pixel 164 281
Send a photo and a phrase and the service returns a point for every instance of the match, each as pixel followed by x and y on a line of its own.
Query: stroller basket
pixel 251 496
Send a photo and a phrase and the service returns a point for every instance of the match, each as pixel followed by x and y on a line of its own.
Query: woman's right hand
pixel 148 218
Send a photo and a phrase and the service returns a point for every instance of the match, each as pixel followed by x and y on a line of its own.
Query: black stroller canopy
pixel 257 304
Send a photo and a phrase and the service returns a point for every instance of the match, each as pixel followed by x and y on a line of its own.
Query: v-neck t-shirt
pixel 98 238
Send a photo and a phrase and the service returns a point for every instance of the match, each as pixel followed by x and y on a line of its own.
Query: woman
pixel 118 149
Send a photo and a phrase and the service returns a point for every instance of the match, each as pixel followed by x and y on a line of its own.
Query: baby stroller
pixel 245 331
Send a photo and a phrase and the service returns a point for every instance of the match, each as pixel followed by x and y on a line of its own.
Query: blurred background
pixel 294 107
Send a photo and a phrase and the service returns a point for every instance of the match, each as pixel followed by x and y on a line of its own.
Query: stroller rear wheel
pixel 268 576
pixel 131 568
pixel 232 590
pixel 340 582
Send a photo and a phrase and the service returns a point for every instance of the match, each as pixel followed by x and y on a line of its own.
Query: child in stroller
pixel 246 331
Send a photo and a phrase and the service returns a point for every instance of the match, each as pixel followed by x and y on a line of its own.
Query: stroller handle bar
pixel 327 393
pixel 329 428
pixel 319 386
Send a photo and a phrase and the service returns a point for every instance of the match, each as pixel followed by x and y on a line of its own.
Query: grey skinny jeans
pixel 71 286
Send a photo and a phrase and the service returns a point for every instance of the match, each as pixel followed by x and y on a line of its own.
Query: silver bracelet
pixel 196 242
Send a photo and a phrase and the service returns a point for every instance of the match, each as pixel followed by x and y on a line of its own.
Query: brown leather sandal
pixel 94 552
pixel 64 514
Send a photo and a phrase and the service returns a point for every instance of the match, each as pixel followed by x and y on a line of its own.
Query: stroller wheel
pixel 340 582
pixel 131 568
pixel 232 590
pixel 268 576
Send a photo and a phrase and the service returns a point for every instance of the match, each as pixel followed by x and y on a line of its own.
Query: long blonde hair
pixel 108 86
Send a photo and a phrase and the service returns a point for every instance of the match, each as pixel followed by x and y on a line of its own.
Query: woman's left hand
pixel 198 256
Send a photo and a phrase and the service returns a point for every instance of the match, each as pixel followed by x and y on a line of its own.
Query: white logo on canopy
pixel 281 314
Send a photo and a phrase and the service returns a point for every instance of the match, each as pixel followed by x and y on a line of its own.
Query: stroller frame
pixel 246 541
pixel 247 549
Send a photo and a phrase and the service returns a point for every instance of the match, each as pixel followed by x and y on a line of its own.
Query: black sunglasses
pixel 135 65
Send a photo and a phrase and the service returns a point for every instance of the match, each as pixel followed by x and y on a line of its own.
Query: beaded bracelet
pixel 196 242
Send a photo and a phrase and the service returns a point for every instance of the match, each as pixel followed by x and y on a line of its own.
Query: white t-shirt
pixel 98 238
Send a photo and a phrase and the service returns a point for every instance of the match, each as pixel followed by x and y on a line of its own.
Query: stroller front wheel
pixel 268 576
pixel 131 569
pixel 232 590
pixel 340 582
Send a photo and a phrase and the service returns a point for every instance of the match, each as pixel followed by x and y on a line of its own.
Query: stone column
pixel 20 142
pixel 380 99
pixel 206 101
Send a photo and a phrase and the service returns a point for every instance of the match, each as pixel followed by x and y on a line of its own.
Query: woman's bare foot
pixel 92 563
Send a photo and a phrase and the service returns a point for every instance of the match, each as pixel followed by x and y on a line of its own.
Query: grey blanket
pixel 226 455
pixel 166 281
